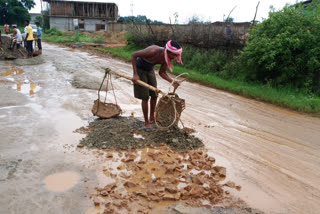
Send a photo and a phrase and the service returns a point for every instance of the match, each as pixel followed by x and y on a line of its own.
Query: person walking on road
pixel 29 39
pixel 0 40
pixel 143 63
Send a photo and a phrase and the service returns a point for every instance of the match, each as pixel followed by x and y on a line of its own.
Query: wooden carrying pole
pixel 139 82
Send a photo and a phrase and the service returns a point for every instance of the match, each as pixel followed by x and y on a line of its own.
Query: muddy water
pixel 274 154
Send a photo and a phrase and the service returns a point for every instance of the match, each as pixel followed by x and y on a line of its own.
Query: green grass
pixel 284 97
pixel 54 35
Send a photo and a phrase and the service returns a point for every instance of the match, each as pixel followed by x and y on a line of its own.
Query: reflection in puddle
pixel 12 71
pixel 60 182
pixel 27 88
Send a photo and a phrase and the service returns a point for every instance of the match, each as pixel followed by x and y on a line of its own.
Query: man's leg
pixel 18 49
pixel 144 105
pixel 153 102
pixel 39 46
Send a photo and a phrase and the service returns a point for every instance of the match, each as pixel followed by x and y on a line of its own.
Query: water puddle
pixel 27 88
pixel 12 71
pixel 61 182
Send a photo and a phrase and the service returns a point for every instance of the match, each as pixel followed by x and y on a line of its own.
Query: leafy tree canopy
pixel 284 50
pixel 15 11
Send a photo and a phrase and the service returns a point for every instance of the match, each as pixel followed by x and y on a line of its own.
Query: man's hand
pixel 175 84
pixel 135 78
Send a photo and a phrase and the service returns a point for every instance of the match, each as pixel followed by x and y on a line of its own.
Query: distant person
pixel 0 40
pixel 143 63
pixel 29 39
pixel 39 37
pixel 24 37
pixel 6 29
pixel 16 40
pixel 228 34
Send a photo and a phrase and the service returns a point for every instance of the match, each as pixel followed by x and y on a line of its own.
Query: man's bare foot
pixel 152 121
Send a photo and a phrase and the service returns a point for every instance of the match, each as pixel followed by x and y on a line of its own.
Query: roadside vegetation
pixel 54 35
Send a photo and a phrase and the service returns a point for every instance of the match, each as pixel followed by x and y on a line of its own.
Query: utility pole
pixel 43 24
pixel 131 6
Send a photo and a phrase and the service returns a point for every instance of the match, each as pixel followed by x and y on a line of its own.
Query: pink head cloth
pixel 173 50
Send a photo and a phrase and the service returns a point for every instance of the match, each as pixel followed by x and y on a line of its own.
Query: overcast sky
pixel 206 10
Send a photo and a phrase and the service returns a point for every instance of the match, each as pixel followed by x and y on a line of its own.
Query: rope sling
pixel 103 109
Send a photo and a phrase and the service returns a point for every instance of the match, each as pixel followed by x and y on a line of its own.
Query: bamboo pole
pixel 139 82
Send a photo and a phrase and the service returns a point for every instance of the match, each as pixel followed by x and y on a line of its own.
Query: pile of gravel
pixel 119 133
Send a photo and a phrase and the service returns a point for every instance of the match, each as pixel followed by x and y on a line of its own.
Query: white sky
pixel 206 10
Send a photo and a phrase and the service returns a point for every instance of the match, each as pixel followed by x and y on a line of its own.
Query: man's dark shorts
pixel 18 46
pixel 29 46
pixel 141 92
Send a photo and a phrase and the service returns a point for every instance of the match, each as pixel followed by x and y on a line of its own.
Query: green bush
pixel 284 49
pixel 54 32
pixel 203 60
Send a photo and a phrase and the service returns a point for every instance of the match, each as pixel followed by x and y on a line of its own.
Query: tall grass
pixel 201 69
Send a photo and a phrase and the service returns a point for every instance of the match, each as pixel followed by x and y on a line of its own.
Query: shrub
pixel 284 49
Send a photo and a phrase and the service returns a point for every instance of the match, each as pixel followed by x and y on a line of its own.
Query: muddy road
pixel 274 154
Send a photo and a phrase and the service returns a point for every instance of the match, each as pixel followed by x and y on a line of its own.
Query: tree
pixel 138 20
pixel 15 11
pixel 230 19
pixel 39 19
pixel 284 49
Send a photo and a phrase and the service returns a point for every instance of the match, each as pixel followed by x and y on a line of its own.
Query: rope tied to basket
pixel 104 109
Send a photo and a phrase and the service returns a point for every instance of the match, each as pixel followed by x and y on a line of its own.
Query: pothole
pixel 60 182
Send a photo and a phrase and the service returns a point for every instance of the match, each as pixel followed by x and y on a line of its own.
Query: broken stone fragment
pixel 197 180
pixel 129 159
pixel 142 194
pixel 221 171
pixel 211 159
pixel 196 191
pixel 109 155
pixel 230 184
pixel 154 198
pixel 129 184
pixel 110 187
pixel 96 201
pixel 124 175
pixel 169 197
pixel 171 188
pixel 238 187
pixel 142 162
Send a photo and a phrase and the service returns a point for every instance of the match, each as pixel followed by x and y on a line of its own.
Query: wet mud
pixel 128 133
pixel 88 82
pixel 31 61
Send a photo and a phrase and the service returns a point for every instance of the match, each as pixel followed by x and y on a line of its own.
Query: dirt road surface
pixel 274 154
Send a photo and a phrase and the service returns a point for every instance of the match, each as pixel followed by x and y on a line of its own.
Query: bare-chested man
pixel 143 62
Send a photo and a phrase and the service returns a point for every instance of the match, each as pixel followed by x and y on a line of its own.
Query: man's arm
pixel 39 33
pixel 163 73
pixel 145 53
